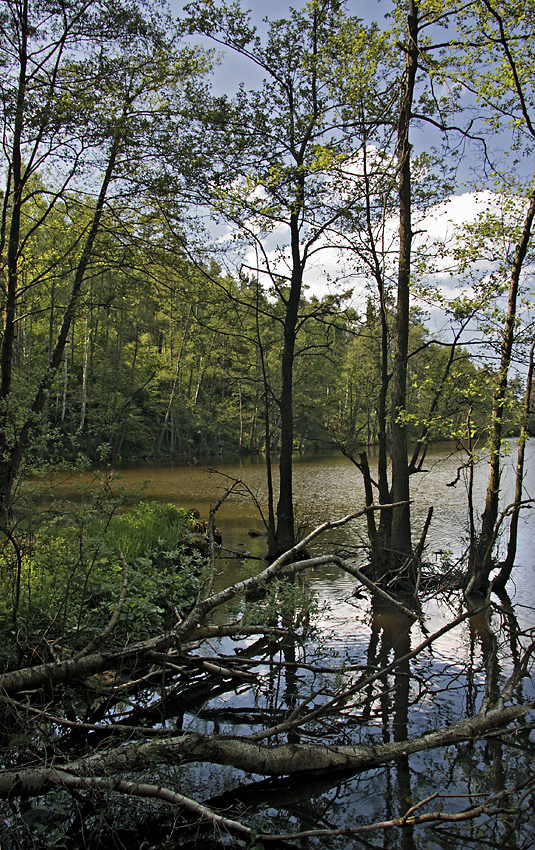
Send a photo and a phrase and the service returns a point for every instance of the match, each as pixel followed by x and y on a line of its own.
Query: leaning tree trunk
pixel 480 560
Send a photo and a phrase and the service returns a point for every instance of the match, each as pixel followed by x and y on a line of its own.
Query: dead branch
pixel 366 681
pixel 191 628
pixel 148 791
pixel 489 807
pixel 110 729
pixel 371 585
pixel 251 757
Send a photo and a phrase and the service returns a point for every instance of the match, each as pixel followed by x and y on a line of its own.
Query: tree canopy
pixel 269 271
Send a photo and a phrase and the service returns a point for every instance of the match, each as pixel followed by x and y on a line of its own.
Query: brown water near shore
pixel 444 684
pixel 328 488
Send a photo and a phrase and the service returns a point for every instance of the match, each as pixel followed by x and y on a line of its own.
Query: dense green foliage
pixel 164 355
pixel 272 270
pixel 170 367
pixel 123 336
pixel 62 579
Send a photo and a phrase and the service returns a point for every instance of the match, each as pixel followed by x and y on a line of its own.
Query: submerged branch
pixel 249 756
pixel 489 807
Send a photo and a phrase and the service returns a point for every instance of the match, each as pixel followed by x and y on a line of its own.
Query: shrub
pixel 62 580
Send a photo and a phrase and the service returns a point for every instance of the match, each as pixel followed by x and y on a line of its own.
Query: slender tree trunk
pixel 240 439
pixel 376 548
pixel 285 534
pixel 8 338
pixel 65 383
pixel 480 561
pixel 470 489
pixel 4 223
pixel 507 566
pixel 401 521
pixel 382 542
pixel 176 383
pixel 11 461
pixel 202 370
pixel 253 438
pixel 85 374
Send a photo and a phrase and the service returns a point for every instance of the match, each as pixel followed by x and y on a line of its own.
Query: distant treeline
pixel 168 359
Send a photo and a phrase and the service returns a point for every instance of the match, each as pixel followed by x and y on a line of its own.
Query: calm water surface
pixel 442 685
pixel 328 488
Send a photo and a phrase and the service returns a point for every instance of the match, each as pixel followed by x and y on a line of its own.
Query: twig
pixel 145 790
pixel 110 729
pixel 114 617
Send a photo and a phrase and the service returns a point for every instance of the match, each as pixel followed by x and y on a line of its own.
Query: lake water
pixel 328 488
pixel 444 684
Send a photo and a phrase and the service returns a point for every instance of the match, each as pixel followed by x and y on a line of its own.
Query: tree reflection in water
pixel 397 705
pixel 356 680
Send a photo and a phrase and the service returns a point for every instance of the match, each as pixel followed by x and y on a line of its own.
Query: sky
pixel 368 10
pixel 464 206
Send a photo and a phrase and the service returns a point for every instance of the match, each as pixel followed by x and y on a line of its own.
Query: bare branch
pixel 100 638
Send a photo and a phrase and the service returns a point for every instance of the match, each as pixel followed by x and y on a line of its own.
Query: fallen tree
pixel 193 627
pixel 246 755
pixel 102 753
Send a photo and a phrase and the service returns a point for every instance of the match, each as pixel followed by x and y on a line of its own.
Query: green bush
pixel 62 580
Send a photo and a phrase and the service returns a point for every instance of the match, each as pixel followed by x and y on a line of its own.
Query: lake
pixel 330 487
pixel 353 633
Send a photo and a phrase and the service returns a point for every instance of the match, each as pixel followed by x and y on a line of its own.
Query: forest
pixel 229 237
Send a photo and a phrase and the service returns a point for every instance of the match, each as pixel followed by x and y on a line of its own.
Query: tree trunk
pixel 480 560
pixel 385 521
pixel 401 522
pixel 85 374
pixel 8 339
pixel 377 552
pixel 176 384
pixel 285 534
pixel 251 757
pixel 269 470
pixel 11 461
pixel 504 575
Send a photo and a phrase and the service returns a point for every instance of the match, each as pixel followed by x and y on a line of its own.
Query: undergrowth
pixel 62 570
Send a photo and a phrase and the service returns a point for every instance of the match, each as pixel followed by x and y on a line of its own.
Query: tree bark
pixel 11 461
pixel 506 567
pixel 284 760
pixel 285 534
pixel 6 355
pixel 401 522
pixel 480 560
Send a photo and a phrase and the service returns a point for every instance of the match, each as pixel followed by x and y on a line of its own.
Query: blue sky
pixel 464 205
pixel 366 9
pixel 236 70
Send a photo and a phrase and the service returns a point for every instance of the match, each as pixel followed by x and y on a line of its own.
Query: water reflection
pixel 328 488
pixel 390 640
pixel 356 636
pixel 388 710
